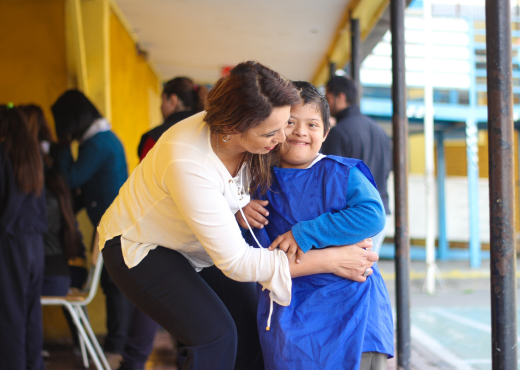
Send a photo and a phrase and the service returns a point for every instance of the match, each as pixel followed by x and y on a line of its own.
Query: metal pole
pixel 472 160
pixel 429 166
pixel 441 197
pixel 400 137
pixel 355 63
pixel 501 185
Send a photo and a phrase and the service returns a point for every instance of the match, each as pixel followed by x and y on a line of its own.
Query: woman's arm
pixel 348 261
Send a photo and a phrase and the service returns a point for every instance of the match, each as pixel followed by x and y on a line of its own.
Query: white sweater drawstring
pixel 257 242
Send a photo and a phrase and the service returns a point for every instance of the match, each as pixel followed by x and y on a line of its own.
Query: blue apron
pixel 330 320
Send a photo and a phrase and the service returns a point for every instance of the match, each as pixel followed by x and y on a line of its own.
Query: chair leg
pixel 84 354
pixel 83 350
pixel 93 338
pixel 83 334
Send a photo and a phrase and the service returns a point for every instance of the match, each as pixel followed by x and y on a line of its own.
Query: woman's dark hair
pixel 243 100
pixel 73 114
pixel 345 85
pixel 37 123
pixel 23 150
pixel 192 96
pixel 54 181
pixel 311 95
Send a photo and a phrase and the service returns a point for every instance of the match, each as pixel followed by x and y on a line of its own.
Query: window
pixel 481 39
pixel 482 80
pixel 378 92
pixel 415 94
pixel 463 97
pixel 441 96
pixel 479 25
pixel 481 98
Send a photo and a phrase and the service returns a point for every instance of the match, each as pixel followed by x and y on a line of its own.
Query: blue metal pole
pixel 472 159
pixel 441 197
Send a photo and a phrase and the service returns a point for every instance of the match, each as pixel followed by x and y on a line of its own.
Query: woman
pixel 22 223
pixel 181 98
pixel 63 240
pixel 99 172
pixel 175 216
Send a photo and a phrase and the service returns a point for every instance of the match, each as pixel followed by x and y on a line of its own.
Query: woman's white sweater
pixel 182 197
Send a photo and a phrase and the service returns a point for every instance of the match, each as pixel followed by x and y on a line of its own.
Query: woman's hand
pixel 366 244
pixel 352 261
pixel 255 213
pixel 286 243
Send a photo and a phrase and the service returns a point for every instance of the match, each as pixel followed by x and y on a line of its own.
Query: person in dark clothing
pixel 357 136
pixel 22 224
pixel 181 98
pixel 63 240
pixel 99 172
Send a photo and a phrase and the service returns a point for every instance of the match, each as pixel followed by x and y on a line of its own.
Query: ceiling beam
pixel 368 12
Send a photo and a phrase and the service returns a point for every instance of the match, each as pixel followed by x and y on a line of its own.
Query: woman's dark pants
pixel 167 288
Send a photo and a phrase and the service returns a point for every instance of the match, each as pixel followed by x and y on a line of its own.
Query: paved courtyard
pixel 452 328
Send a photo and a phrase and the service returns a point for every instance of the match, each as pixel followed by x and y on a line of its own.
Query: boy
pixel 319 201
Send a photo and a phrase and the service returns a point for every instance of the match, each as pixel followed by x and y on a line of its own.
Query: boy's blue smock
pixel 330 320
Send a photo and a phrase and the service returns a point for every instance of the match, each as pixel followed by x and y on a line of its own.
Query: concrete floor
pixel 450 329
pixel 163 356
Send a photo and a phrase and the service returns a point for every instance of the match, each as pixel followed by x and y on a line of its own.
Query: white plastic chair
pixel 76 303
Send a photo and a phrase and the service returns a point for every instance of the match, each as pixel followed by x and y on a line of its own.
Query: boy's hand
pixel 287 244
pixel 255 213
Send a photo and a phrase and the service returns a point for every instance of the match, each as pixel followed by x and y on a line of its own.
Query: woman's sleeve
pixel 363 217
pixel 90 159
pixel 208 215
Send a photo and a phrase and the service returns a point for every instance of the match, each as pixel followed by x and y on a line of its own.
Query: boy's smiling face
pixel 305 134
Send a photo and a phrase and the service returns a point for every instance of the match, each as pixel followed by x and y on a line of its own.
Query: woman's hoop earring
pixel 226 138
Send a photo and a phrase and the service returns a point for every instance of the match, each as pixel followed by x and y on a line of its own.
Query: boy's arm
pixel 363 218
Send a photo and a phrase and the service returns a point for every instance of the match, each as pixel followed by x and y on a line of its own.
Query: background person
pixel 181 98
pixel 99 172
pixel 357 136
pixel 22 224
pixel 175 216
pixel 64 250
pixel 63 240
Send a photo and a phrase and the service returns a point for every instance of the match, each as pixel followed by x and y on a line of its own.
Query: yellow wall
pixel 37 43
pixel 33 55
pixel 135 89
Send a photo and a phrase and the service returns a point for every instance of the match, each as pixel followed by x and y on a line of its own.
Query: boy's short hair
pixel 311 95
pixel 345 85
